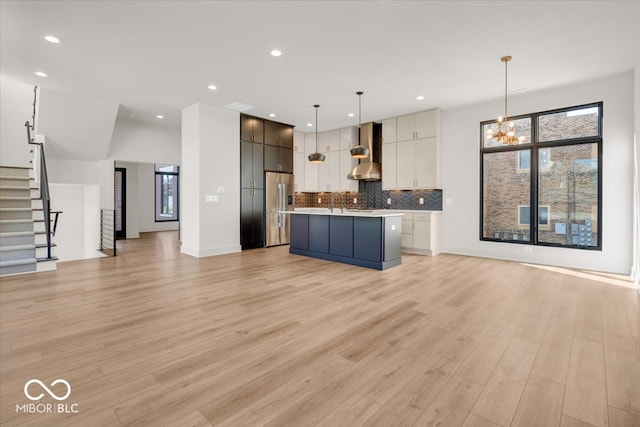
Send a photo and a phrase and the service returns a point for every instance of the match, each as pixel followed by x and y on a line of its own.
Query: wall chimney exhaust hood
pixel 367 170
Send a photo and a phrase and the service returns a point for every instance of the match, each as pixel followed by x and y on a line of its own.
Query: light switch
pixel 211 198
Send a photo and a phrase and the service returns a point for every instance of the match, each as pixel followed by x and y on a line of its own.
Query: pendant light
pixel 316 157
pixel 359 151
pixel 508 135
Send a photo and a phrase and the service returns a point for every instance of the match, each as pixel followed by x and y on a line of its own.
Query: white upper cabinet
pixel 298 142
pixel 347 163
pixel 309 143
pixel 333 140
pixel 299 159
pixel 348 138
pixel 389 130
pixel 310 177
pixel 389 166
pixel 406 128
pixel 323 142
pixel 418 152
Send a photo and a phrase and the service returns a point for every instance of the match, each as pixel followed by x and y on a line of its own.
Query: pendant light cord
pixel 316 127
pixel 505 91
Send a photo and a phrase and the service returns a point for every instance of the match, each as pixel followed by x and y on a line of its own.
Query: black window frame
pixel 155 192
pixel 534 146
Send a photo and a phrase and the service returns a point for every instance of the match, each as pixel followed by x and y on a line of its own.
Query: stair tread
pixel 17 247
pixel 17 198
pixel 16 187
pixel 18 262
pixel 16 234
pixel 43 259
pixel 15 177
pixel 16 209
pixel 44 245
pixel 15 221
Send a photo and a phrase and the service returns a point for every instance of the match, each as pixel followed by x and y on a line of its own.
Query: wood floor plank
pixel 622 368
pixel 154 337
pixel 568 421
pixel 474 420
pixel 620 418
pixel 585 396
pixel 452 405
pixel 355 411
pixel 541 403
pixel 411 400
pixel 552 360
pixel 499 399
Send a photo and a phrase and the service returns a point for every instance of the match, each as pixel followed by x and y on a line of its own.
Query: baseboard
pixel 201 253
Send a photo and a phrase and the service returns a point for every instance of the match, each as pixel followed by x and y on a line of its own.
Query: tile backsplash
pixel 371 195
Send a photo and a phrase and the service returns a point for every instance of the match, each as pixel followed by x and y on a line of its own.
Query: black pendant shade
pixel 316 157
pixel 359 151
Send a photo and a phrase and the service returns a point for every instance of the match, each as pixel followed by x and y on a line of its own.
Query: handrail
pixel 44 187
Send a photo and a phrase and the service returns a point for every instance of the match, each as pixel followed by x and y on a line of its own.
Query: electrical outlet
pixel 421 200
pixel 528 249
pixel 355 201
pixel 389 200
pixel 319 200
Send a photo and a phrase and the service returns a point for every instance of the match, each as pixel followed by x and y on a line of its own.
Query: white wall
pixel 636 228
pixel 210 161
pixel 136 141
pixel 78 232
pixel 16 107
pixel 63 171
pixel 462 182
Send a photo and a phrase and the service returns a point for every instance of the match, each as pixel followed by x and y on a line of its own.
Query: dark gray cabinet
pixel 341 235
pixel 367 238
pixel 255 159
pixel 251 129
pixel 319 233
pixel 278 159
pixel 252 218
pixel 299 232
pixel 252 165
pixel 373 242
pixel 278 134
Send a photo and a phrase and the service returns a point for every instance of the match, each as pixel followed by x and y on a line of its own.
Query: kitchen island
pixel 370 239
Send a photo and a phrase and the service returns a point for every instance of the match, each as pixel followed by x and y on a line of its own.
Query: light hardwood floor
pixel 155 338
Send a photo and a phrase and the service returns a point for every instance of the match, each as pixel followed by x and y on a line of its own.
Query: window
pixel 524 159
pixel 524 215
pixel 167 187
pixel 545 190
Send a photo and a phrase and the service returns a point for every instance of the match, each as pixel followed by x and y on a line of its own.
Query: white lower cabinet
pixel 422 233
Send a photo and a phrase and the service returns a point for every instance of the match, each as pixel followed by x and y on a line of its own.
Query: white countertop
pixel 376 213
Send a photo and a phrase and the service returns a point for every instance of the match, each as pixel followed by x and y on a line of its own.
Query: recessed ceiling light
pixel 309 124
pixel 419 98
pixel 350 115
pixel 159 116
pixel 272 115
pixel 276 52
pixel 212 87
pixel 52 39
pixel 40 74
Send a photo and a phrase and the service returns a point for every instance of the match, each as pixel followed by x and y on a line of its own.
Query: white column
pixel 210 181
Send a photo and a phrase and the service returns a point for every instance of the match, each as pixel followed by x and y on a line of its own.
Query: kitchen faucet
pixel 341 202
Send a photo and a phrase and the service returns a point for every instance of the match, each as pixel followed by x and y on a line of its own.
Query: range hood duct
pixel 367 170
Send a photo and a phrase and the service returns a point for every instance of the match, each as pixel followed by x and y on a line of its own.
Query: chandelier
pixel 506 132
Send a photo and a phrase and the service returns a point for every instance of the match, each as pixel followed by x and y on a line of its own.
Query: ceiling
pixel 158 57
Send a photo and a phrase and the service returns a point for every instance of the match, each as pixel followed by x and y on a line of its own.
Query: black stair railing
pixel 44 188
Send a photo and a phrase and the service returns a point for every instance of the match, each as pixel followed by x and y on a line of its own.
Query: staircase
pixel 23 246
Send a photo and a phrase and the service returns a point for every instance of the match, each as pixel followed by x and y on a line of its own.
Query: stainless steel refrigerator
pixel 279 197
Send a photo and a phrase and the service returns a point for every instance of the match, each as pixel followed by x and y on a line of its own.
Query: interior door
pixel 120 202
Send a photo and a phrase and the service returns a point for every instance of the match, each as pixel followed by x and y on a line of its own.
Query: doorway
pixel 120 201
